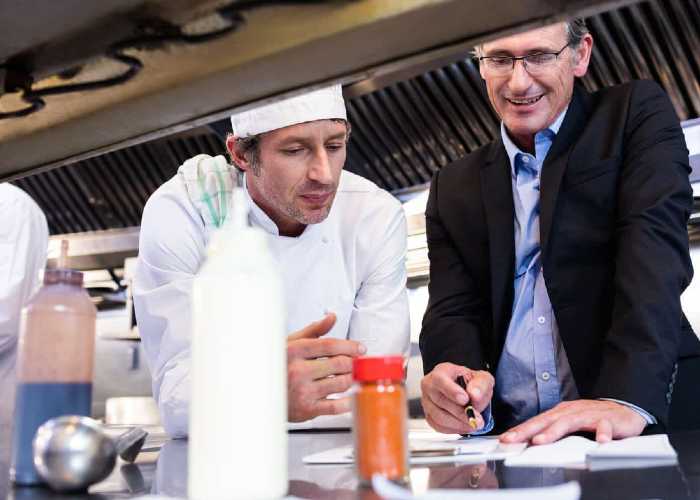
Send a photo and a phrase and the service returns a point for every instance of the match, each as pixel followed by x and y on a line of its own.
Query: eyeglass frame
pixel 513 59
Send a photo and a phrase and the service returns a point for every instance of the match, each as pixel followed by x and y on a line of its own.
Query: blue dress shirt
pixel 533 373
pixel 533 366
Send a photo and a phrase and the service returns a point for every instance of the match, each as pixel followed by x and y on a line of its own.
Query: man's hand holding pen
pixel 469 409
pixel 445 402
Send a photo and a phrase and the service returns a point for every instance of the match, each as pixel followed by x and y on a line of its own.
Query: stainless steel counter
pixel 164 472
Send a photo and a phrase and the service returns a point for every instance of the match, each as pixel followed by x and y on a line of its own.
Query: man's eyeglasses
pixel 534 64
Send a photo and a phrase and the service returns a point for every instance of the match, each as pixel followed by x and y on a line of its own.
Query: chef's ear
pixel 238 157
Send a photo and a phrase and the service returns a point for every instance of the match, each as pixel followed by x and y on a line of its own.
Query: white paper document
pixel 390 491
pixel 342 421
pixel 633 453
pixel 654 446
pixel 473 446
pixel 431 447
pixel 577 452
pixel 570 451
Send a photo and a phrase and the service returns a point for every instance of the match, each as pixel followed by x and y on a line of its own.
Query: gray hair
pixel 249 147
pixel 575 30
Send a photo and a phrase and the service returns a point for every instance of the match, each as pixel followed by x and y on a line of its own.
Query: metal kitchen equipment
pixel 73 452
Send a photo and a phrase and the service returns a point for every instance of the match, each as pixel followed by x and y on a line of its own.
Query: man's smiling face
pixel 528 104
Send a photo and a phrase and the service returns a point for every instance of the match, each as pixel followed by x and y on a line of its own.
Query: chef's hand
pixel 317 367
pixel 608 419
pixel 444 401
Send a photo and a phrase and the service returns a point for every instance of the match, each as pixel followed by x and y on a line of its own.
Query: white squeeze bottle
pixel 238 405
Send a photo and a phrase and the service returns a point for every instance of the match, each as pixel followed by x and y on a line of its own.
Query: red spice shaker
pixel 380 418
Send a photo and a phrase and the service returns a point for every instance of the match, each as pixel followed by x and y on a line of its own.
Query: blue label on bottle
pixel 35 404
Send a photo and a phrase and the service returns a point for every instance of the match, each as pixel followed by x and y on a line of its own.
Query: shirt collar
pixel 543 135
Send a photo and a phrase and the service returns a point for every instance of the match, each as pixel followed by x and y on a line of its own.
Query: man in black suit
pixel 558 254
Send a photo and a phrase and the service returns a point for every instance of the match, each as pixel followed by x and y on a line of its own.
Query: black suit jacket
pixel 615 200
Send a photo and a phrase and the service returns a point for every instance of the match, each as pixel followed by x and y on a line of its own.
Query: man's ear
pixel 582 55
pixel 236 156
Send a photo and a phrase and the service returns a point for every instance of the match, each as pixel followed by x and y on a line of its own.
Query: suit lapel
pixel 557 160
pixel 497 192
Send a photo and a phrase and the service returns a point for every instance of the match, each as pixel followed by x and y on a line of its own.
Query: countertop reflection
pixel 165 473
pixel 339 482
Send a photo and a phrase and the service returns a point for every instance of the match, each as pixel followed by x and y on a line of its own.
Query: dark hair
pixel 250 147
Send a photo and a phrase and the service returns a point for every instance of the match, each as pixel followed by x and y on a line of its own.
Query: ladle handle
pixel 130 443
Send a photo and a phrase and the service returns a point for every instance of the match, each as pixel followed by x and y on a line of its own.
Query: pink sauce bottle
pixel 54 363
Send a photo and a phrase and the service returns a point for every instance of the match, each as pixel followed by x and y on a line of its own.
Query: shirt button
pixel 526 159
pixel 541 320
pixel 545 376
pixel 324 239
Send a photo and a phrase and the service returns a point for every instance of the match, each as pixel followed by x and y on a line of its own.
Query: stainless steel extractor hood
pixel 265 49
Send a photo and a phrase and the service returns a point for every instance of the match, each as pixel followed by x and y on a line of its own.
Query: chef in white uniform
pixel 340 241
pixel 24 238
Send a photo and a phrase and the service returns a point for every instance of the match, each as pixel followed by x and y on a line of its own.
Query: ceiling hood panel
pixel 277 50
pixel 409 120
pixel 408 127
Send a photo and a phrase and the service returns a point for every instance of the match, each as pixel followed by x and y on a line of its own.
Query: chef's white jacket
pixel 24 238
pixel 352 263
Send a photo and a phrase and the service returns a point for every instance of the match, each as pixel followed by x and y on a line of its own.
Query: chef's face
pixel 530 101
pixel 297 174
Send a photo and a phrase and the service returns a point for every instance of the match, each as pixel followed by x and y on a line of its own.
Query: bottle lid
pixel 65 276
pixel 370 368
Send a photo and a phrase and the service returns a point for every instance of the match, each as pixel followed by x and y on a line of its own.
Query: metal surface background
pixel 281 48
pixel 406 124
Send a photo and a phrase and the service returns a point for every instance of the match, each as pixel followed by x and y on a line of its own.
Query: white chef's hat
pixel 323 104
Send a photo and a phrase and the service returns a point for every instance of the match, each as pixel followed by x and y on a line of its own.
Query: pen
pixel 469 409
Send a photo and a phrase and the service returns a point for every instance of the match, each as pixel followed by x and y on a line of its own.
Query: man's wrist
pixel 648 417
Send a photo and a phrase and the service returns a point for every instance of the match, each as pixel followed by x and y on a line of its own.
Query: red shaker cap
pixel 371 368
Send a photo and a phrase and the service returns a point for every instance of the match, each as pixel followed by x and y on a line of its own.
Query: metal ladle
pixel 73 452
